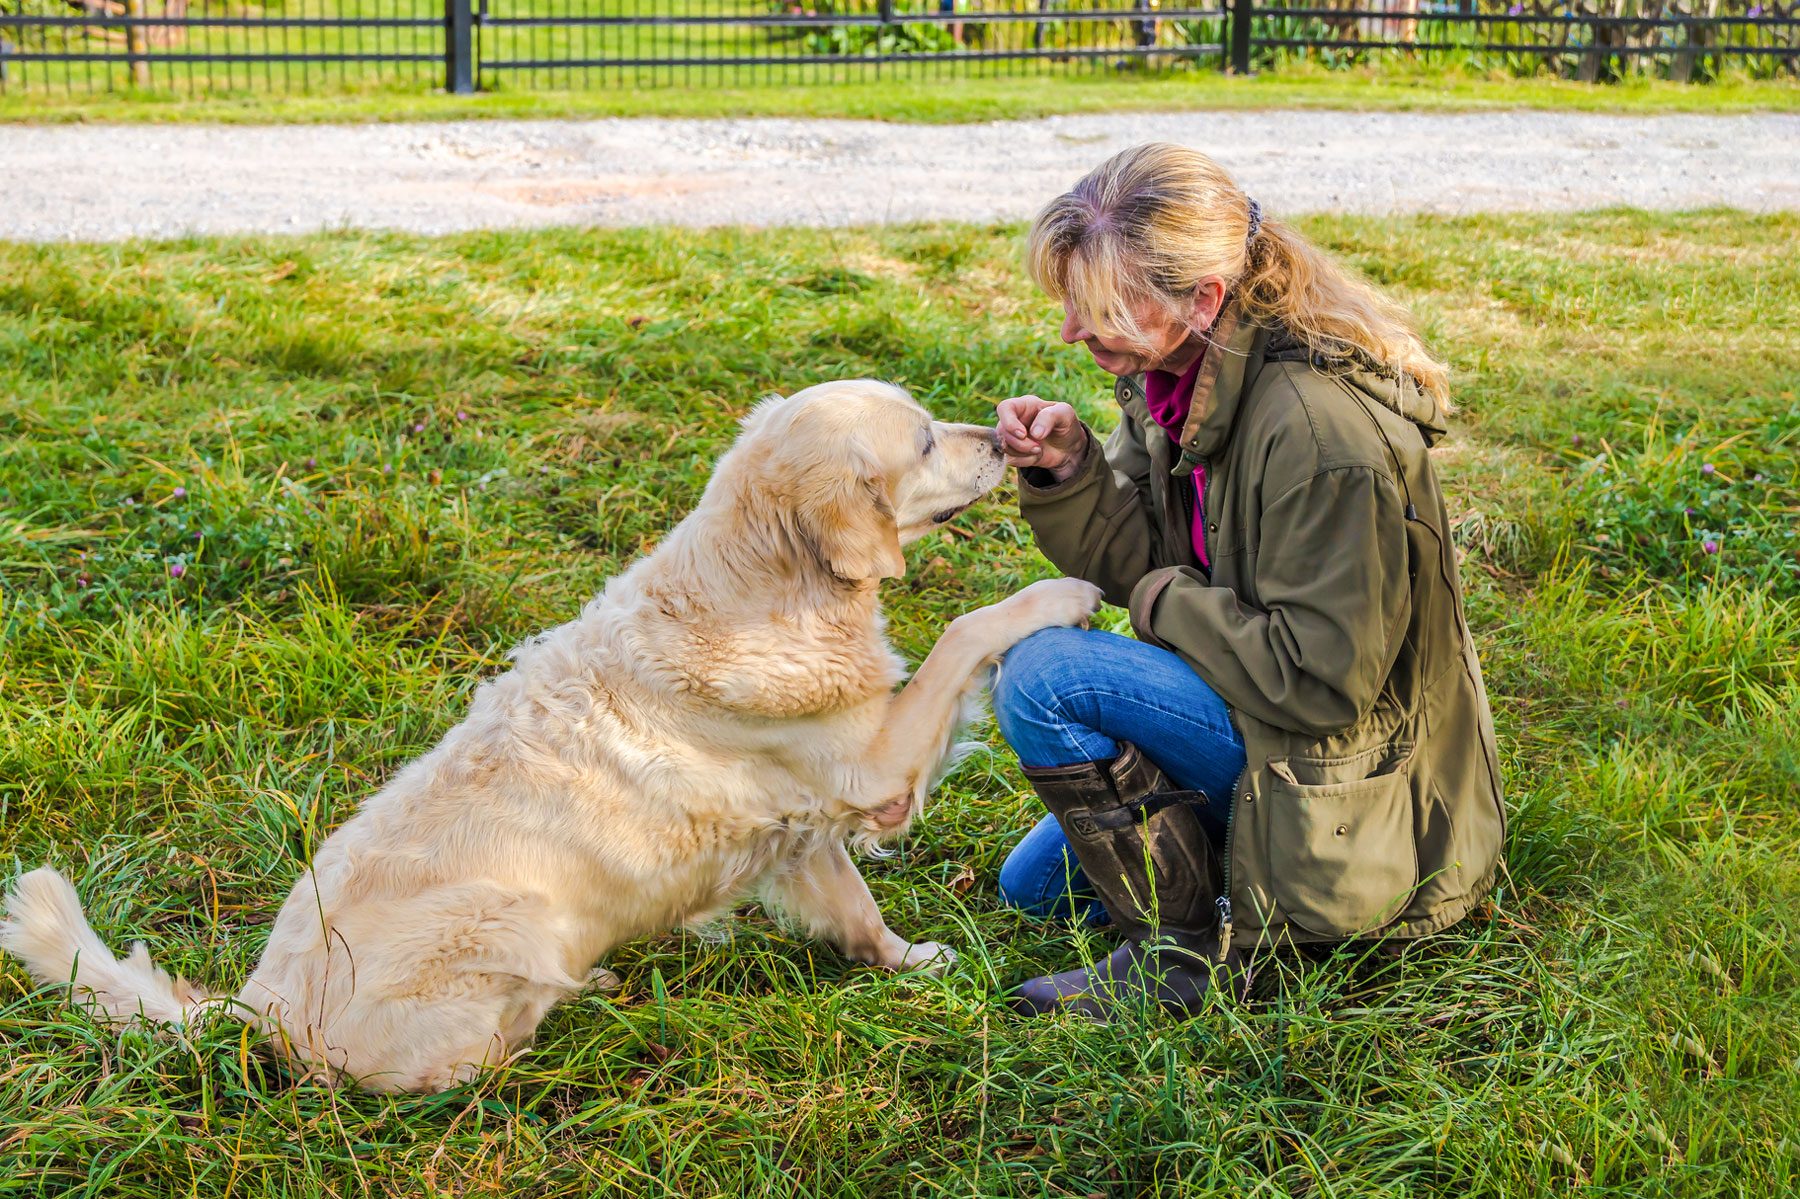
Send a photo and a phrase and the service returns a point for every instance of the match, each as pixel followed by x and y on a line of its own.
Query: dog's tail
pixel 44 927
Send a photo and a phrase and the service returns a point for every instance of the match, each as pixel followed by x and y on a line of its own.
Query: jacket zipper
pixel 1190 504
pixel 1224 901
pixel 1184 500
pixel 1184 508
pixel 1200 521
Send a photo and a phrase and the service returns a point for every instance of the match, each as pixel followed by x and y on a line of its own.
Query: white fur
pixel 721 719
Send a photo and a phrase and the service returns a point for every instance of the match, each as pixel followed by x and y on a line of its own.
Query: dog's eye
pixel 930 444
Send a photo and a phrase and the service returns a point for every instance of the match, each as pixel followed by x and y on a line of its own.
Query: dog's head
pixel 861 469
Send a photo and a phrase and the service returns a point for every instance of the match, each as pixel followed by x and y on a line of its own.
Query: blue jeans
pixel 1065 696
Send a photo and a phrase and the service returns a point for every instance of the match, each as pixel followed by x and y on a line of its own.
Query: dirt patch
pixel 104 182
pixel 564 193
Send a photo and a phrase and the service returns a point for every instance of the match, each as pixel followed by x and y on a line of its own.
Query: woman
pixel 1297 746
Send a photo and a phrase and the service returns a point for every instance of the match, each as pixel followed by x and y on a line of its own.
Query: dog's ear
pixel 851 520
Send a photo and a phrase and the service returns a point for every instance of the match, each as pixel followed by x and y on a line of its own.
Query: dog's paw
pixel 928 956
pixel 602 979
pixel 1046 604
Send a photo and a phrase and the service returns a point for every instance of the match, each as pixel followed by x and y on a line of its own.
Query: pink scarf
pixel 1168 399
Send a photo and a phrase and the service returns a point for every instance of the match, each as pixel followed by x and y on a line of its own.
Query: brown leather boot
pixel 1141 844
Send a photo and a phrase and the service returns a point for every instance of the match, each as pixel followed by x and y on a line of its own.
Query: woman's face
pixel 1173 343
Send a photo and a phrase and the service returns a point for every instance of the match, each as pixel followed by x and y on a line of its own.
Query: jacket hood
pixel 1406 398
pixel 1237 352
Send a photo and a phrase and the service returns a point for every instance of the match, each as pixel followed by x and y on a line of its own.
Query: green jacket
pixel 1332 625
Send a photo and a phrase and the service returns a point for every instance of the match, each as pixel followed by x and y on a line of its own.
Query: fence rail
pixel 465 45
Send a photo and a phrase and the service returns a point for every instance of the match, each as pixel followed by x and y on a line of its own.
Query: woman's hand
pixel 1034 432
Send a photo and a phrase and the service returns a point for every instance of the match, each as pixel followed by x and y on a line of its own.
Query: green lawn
pixel 399 456
pixel 929 100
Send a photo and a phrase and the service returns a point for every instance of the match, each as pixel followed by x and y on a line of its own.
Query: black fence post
pixel 1242 11
pixel 881 33
pixel 459 47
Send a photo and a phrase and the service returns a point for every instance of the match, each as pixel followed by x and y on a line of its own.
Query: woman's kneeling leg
pixel 1066 696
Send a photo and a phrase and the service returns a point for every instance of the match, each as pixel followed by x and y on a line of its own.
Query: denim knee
pixel 1031 675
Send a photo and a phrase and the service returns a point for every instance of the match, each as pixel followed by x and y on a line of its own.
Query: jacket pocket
pixel 1343 862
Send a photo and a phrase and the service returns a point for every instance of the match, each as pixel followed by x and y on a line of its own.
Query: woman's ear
pixel 1209 299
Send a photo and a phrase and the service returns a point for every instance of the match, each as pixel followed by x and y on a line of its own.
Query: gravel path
pixel 109 182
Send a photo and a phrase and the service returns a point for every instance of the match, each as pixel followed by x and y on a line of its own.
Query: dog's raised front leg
pixel 826 891
pixel 889 783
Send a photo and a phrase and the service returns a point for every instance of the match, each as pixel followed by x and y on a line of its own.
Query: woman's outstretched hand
pixel 1035 432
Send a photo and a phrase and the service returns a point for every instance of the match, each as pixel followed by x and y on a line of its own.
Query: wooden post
pixel 1681 70
pixel 1589 71
pixel 134 44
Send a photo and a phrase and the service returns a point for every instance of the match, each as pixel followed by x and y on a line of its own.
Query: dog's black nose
pixel 994 442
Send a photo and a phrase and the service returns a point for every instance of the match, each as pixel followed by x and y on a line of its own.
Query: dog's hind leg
pixel 450 1041
pixel 493 1032
pixel 447 982
pixel 824 890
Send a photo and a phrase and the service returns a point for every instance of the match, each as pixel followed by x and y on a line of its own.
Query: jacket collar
pixel 1233 355
pixel 1223 372
pixel 1232 359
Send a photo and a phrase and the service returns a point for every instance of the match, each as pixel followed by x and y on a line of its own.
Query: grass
pixel 398 456
pixel 929 100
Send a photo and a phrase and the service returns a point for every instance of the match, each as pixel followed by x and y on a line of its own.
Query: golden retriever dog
pixel 720 721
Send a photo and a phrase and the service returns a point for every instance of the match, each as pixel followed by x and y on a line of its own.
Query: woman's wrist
pixel 1070 466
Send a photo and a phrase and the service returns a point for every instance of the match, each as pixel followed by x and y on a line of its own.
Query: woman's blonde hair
pixel 1152 222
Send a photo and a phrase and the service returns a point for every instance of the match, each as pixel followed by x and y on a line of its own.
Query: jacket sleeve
pixel 1332 569
pixel 1095 525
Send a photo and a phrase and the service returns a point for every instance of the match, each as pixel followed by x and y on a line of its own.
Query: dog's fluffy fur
pixel 722 719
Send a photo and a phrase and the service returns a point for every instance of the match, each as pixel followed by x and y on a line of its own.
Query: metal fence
pixel 562 42
pixel 221 46
pixel 197 46
pixel 1583 39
